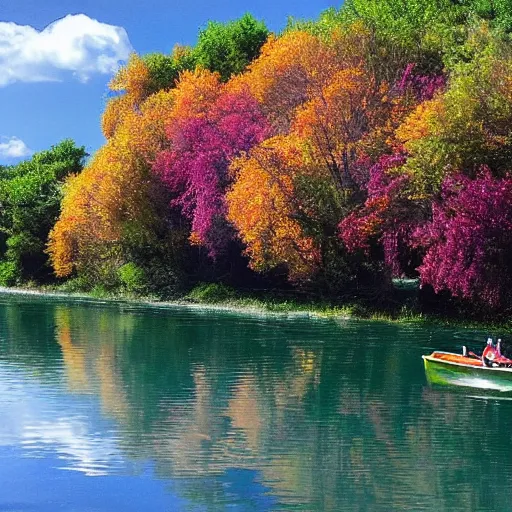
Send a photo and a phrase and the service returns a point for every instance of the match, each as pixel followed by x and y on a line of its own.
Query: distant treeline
pixel 371 143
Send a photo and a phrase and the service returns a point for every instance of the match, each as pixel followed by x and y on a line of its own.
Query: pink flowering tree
pixel 388 217
pixel 468 243
pixel 196 166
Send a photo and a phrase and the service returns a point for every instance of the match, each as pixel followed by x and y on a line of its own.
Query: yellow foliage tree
pixel 118 190
pixel 115 189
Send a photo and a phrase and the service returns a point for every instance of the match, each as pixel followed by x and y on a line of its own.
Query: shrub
pixel 9 273
pixel 133 278
pixel 212 293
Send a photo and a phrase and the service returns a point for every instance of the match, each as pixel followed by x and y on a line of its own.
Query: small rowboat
pixel 469 371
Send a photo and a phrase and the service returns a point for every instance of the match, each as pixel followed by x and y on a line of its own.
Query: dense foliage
pixel 228 48
pixel 30 196
pixel 372 143
pixel 468 242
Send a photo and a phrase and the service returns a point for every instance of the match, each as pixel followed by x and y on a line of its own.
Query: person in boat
pixel 498 355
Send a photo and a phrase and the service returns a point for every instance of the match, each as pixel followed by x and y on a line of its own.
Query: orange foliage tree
pixel 116 196
pixel 282 77
pixel 263 206
pixel 331 107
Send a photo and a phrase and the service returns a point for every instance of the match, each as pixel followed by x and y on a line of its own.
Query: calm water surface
pixel 116 407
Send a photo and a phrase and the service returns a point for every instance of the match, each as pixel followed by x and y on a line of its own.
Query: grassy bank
pixel 403 308
pixel 207 295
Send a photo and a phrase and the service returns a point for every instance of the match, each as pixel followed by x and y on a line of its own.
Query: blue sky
pixel 53 80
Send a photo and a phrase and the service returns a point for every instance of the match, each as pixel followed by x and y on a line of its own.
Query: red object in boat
pixel 492 356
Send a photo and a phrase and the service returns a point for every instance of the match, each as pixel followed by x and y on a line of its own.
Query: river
pixel 125 407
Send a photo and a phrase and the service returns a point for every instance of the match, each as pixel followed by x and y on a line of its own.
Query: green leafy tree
pixel 164 70
pixel 30 195
pixel 498 12
pixel 469 125
pixel 228 47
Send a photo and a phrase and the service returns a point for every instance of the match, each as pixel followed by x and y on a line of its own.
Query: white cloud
pixel 76 44
pixel 12 147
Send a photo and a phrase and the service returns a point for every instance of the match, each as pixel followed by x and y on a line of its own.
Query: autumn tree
pixel 263 207
pixel 388 218
pixel 340 117
pixel 469 239
pixel 281 78
pixel 115 205
pixel 460 128
pixel 208 128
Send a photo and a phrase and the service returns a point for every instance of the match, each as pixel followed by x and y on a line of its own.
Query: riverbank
pixel 221 298
pixel 214 298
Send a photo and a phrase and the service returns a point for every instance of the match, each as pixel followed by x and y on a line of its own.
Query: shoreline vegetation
pixel 221 298
pixel 357 164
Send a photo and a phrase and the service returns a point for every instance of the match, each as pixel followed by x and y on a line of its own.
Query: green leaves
pixel 30 195
pixel 228 47
pixel 164 70
pixel 469 125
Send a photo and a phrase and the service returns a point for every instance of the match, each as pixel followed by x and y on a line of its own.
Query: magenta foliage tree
pixel 424 87
pixel 468 243
pixel 196 166
pixel 386 216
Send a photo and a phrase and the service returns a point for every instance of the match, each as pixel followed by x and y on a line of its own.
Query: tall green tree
pixel 228 47
pixel 30 195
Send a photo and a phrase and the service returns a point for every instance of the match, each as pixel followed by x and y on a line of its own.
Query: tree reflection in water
pixel 272 410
